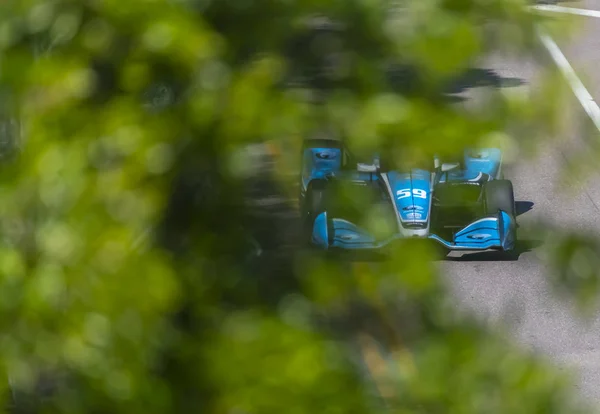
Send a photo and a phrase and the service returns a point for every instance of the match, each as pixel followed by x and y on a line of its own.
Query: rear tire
pixel 499 195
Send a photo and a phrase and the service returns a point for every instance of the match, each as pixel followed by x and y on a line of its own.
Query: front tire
pixel 499 195
pixel 314 204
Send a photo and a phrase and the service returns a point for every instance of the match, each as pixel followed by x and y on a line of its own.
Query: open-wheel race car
pixel 463 205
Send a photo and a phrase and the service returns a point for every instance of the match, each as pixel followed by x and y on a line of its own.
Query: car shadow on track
pixel 522 246
pixel 478 77
pixel 523 207
pixel 407 80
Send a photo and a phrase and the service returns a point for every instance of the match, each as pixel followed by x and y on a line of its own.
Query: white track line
pixel 583 96
pixel 570 10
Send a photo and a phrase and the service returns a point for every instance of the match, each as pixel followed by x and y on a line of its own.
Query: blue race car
pixel 466 205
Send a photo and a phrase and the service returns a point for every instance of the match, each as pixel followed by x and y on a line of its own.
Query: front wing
pixel 486 233
pixel 495 232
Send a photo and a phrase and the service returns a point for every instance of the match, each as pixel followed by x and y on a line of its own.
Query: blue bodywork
pixel 318 163
pixel 410 195
pixel 487 161
pixel 485 233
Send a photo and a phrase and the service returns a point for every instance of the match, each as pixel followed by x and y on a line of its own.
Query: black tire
pixel 315 199
pixel 499 195
pixel 314 204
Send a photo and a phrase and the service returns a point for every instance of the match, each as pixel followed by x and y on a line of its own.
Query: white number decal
pixel 419 193
pixel 400 194
pixel 403 193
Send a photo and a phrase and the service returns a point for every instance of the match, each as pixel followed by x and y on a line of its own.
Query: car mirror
pixel 366 168
pixel 450 166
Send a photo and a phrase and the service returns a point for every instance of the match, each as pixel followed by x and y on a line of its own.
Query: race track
pixel 515 294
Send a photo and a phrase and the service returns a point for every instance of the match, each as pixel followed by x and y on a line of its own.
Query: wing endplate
pixel 483 234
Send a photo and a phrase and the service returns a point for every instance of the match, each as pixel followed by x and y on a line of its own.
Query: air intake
pixel 414 226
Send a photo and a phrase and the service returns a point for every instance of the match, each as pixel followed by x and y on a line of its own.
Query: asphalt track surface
pixel 515 295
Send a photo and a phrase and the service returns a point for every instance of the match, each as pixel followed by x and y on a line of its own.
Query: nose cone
pixel 412 197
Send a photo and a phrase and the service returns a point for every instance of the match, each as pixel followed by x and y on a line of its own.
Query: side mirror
pixel 450 166
pixel 370 168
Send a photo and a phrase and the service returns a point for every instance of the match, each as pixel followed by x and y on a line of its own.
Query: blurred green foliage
pixel 131 279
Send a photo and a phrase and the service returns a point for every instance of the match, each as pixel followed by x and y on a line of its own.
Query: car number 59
pixel 400 194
